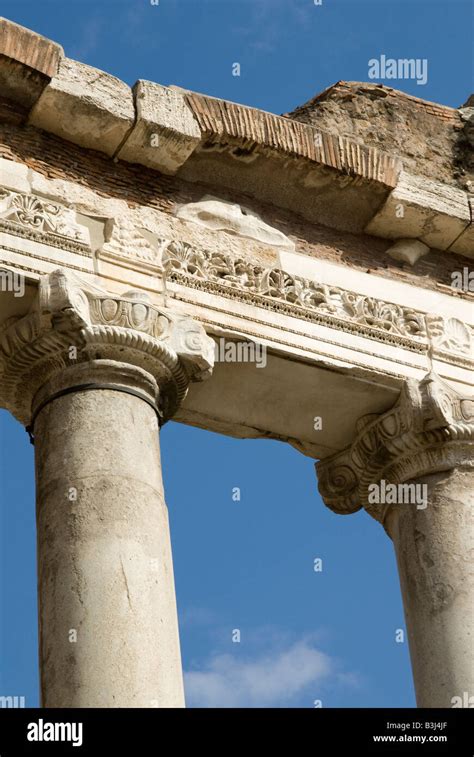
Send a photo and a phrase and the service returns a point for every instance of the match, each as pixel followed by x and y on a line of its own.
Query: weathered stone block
pixel 86 106
pixel 14 176
pixel 419 208
pixel 408 250
pixel 219 215
pixel 165 133
pixel 464 244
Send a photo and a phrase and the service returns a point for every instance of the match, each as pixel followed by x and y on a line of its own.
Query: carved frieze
pixel 330 305
pixel 122 238
pixel 41 219
pixel 293 293
pixel 241 279
pixel 449 335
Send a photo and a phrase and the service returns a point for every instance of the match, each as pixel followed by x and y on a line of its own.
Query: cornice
pixel 353 186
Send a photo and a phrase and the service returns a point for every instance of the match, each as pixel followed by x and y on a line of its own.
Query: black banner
pixel 360 731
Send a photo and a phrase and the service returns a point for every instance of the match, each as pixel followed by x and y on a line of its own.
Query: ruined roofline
pixel 443 111
pixel 186 118
pixel 319 174
pixel 33 50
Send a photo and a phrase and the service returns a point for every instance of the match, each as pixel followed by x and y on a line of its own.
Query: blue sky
pixel 247 565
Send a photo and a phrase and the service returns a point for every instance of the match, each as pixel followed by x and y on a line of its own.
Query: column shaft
pixel 107 610
pixel 88 372
pixel 434 548
pixel 425 439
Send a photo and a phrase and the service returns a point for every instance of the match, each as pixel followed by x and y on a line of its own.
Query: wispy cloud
pixel 266 22
pixel 197 616
pixel 271 679
pixel 89 39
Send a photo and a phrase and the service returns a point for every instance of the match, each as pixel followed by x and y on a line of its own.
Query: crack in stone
pixel 126 583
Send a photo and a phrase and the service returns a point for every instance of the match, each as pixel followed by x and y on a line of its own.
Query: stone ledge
pixel 222 119
pixel 94 109
pixel 435 213
pixel 165 133
pixel 27 63
pixel 322 176
pixel 85 106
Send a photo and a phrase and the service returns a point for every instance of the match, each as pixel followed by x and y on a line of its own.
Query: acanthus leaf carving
pixel 179 258
pixel 69 312
pixel 430 428
pixel 40 215
pixel 324 303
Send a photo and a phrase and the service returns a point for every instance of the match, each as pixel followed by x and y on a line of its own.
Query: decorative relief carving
pixel 430 428
pixel 273 289
pixel 42 216
pixel 100 326
pixel 180 259
pixel 122 238
pixel 449 334
pixel 327 304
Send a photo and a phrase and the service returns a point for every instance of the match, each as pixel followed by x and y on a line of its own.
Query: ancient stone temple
pixel 146 230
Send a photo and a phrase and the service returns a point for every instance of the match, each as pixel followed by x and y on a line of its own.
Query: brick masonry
pixel 391 120
pixel 57 159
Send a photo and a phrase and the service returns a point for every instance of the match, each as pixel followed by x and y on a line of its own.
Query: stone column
pixel 93 375
pixel 412 469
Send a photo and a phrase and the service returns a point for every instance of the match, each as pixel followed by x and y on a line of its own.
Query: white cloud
pixel 268 680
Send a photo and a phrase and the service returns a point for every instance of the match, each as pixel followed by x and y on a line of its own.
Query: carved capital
pixel 429 429
pixel 73 323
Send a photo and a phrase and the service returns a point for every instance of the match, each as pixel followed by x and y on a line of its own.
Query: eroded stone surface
pixel 419 208
pixel 219 215
pixel 433 549
pixel 86 106
pixel 104 551
pixel 14 176
pixel 165 133
pixel 378 115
